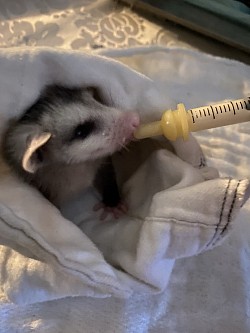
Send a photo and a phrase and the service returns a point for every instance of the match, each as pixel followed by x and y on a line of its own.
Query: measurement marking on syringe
pixel 212 111
pixel 233 107
pixel 248 106
pixel 192 116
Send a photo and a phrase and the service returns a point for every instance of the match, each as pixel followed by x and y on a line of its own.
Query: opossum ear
pixel 30 160
pixel 98 95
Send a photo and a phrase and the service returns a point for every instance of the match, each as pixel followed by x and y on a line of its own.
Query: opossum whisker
pixel 124 147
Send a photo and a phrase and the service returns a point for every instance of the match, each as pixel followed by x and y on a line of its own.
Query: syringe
pixel 180 122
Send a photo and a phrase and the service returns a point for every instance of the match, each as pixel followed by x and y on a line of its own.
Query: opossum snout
pixel 125 127
pixel 132 119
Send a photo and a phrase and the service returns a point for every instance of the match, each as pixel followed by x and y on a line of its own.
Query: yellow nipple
pixel 173 124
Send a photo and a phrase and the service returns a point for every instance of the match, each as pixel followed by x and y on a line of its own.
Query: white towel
pixel 178 206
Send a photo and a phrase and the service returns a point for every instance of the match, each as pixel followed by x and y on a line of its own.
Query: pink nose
pixel 131 119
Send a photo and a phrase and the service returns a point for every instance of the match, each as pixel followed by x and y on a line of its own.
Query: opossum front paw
pixel 116 211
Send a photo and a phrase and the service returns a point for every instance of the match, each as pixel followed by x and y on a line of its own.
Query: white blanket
pixel 181 209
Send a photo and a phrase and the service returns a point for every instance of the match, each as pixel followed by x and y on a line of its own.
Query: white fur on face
pixel 113 130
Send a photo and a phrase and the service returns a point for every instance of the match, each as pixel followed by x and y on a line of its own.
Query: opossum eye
pixel 82 131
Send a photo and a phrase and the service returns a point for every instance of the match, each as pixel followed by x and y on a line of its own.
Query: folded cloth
pixel 178 206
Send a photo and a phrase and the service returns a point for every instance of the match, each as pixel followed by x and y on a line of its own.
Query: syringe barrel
pixel 217 115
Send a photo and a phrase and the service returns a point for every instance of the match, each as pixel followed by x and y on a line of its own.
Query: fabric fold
pixel 178 205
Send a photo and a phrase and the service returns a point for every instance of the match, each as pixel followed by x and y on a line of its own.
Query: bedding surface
pixel 77 24
pixel 91 24
pixel 206 293
pixel 198 285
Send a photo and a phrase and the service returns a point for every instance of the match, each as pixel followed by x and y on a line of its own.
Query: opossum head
pixel 67 126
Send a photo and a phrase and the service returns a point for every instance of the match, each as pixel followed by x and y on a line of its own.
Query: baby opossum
pixel 63 143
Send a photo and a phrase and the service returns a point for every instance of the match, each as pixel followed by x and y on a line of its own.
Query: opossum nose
pixel 135 121
pixel 132 119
